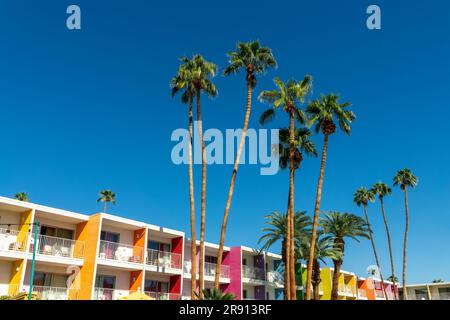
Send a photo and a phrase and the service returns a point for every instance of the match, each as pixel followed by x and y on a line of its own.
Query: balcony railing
pixel 275 277
pixel 379 293
pixel 110 294
pixel 253 273
pixel 13 240
pixel 120 252
pixel 49 293
pixel 163 295
pixel 187 265
pixel 444 295
pixel 163 259
pixel 362 293
pixel 210 270
pixel 350 290
pixel 58 247
pixel 421 296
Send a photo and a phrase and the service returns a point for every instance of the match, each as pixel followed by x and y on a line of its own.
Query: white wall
pixel 126 236
pixel 5 275
pixel 10 217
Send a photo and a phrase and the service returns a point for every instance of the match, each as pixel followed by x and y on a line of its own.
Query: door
pixel 105 285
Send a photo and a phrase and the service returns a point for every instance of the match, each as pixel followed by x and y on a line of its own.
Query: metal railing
pixel 210 270
pixel 379 293
pixel 275 277
pixel 253 273
pixel 188 267
pixel 163 295
pixel 13 240
pixel 110 294
pixel 163 259
pixel 362 293
pixel 58 247
pixel 49 293
pixel 120 252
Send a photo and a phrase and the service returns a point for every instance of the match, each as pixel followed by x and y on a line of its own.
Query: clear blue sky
pixel 86 110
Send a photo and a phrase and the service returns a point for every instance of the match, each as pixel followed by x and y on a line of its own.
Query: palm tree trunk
pixel 283 258
pixel 104 207
pixel 203 204
pixel 233 179
pixel 293 286
pixel 192 211
pixel 316 279
pixel 335 280
pixel 390 247
pixel 316 218
pixel 405 295
pixel 287 266
pixel 375 250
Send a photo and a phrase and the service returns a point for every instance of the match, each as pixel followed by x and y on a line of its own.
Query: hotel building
pixel 105 257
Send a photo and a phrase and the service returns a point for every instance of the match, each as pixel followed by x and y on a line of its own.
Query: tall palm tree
pixel 105 197
pixel 288 96
pixel 405 178
pixel 215 294
pixel 362 197
pixel 393 279
pixel 324 112
pixel 22 196
pixel 182 81
pixel 202 72
pixel 382 190
pixel 325 249
pixel 340 226
pixel 255 60
pixel 276 231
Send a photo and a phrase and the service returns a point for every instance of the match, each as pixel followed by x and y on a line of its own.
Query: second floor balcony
pixel 210 270
pixel 120 252
pixel 362 293
pixel 13 240
pixel 253 273
pixel 275 277
pixel 163 295
pixel 58 247
pixel 51 293
pixel 163 259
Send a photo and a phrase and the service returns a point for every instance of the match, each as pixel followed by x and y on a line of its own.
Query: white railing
pixel 120 252
pixel 163 295
pixel 275 277
pixel 379 293
pixel 362 293
pixel 350 290
pixel 253 273
pixel 13 240
pixel 444 295
pixel 188 267
pixel 49 293
pixel 163 259
pixel 58 247
pixel 210 270
pixel 110 294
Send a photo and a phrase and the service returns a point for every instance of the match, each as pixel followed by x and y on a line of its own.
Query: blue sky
pixel 91 109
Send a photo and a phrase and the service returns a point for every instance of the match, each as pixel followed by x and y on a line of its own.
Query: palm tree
pixel 392 279
pixel 183 82
pixel 276 231
pixel 201 73
pixel 362 197
pixel 22 196
pixel 437 281
pixel 340 226
pixel 325 249
pixel 105 197
pixel 288 95
pixel 382 190
pixel 215 294
pixel 405 178
pixel 323 112
pixel 255 60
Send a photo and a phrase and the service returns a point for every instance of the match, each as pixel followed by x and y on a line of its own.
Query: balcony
pixel 350 290
pixel 58 247
pixel 210 270
pixel 49 293
pixel 163 295
pixel 13 240
pixel 253 273
pixel 274 277
pixel 163 259
pixel 187 267
pixel 362 293
pixel 110 294
pixel 422 296
pixel 379 294
pixel 120 252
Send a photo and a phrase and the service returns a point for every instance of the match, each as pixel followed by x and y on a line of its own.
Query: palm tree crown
pixel 344 225
pixel 363 196
pixel 303 144
pixel 325 110
pixel 405 178
pixel 381 189
pixel 22 196
pixel 287 95
pixel 251 57
pixel 107 196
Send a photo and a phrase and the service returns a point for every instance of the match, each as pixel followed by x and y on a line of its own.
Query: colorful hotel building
pixel 105 257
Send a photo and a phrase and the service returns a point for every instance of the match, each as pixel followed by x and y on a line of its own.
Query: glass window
pixel 106 282
pixel 109 236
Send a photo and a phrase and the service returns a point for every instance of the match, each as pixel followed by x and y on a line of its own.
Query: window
pixel 57 232
pixel 244 262
pixel 109 236
pixel 156 286
pixel 211 259
pixel 50 280
pixel 106 282
pixel 158 246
